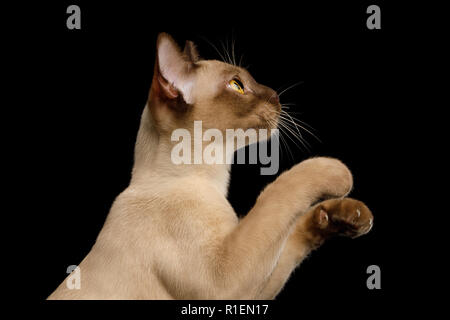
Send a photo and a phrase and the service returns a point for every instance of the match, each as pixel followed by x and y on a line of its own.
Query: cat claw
pixel 323 218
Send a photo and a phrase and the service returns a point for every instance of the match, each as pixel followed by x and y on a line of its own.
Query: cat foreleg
pixel 252 250
pixel 332 217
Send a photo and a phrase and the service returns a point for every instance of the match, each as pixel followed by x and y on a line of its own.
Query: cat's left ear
pixel 175 69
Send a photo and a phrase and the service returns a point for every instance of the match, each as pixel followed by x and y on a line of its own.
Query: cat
pixel 172 234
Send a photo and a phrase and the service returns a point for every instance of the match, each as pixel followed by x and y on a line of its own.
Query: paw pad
pixel 346 217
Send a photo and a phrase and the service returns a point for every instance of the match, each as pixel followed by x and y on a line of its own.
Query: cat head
pixel 186 88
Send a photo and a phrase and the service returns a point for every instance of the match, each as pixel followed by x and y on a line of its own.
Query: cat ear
pixel 191 52
pixel 175 69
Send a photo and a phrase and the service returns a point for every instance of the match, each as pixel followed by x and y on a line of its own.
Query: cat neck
pixel 153 162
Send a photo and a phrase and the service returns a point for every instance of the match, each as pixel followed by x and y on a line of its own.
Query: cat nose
pixel 274 98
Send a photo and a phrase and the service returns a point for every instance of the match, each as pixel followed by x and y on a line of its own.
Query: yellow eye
pixel 236 85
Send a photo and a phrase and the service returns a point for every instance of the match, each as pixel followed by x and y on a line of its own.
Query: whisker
pixel 285 126
pixel 240 60
pixel 284 144
pixel 232 48
pixel 290 87
pixel 224 52
pixel 229 61
pixel 302 122
pixel 288 104
pixel 292 120
pixel 310 130
pixel 295 125
pixel 215 48
pixel 289 127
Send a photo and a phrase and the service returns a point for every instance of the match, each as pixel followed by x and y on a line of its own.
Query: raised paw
pixel 347 217
pixel 327 177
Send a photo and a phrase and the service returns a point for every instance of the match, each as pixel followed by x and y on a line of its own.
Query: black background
pixel 85 90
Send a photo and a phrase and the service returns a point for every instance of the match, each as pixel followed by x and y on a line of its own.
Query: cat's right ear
pixel 174 71
pixel 191 52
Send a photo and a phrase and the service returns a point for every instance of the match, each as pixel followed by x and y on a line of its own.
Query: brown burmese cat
pixel 172 234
